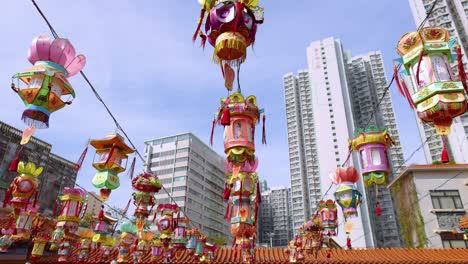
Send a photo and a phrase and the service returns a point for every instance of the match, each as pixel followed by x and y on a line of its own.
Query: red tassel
pixel 397 80
pixel 264 131
pixel 408 95
pixel 329 254
pixel 101 213
pixel 348 242
pixel 81 159
pixel 226 117
pixel 227 191
pixel 14 164
pixel 200 21
pixel 378 210
pixel 259 194
pixel 461 69
pixel 444 157
pixel 203 40
pixel 212 131
pixel 35 199
pixel 7 196
pixel 228 208
pixel 419 66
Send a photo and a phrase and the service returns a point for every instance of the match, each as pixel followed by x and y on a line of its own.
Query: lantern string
pixel 117 124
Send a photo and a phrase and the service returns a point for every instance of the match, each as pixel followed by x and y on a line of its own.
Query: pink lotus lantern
pixel 72 204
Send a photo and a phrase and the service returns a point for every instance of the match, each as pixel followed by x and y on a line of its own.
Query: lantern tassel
pixel 378 210
pixel 212 131
pixel 14 163
pixel 397 80
pixel 203 40
pixel 101 213
pixel 7 196
pixel 419 66
pixel 461 69
pixel 227 191
pixel 200 21
pixel 264 131
pixel 226 117
pixel 444 157
pixel 81 159
pixel 348 242
pixel 259 193
pixel 35 199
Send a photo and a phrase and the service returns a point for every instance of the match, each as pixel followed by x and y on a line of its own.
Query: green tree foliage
pixel 87 220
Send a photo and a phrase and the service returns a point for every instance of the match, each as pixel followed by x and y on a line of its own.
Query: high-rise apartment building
pixel 304 170
pixel 367 83
pixel 58 172
pixel 194 175
pixel 453 16
pixel 274 222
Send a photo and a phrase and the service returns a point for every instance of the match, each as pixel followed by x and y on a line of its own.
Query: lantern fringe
pixel 234 44
pixel 402 88
pixel 461 69
pixel 81 159
pixel 35 118
pixel 212 131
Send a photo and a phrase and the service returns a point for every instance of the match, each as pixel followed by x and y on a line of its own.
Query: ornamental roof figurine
pixel 54 61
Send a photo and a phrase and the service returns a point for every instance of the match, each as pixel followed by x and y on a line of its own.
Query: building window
pixel 447 199
pixel 455 243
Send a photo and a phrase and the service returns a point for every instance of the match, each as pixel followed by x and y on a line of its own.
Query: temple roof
pixel 277 255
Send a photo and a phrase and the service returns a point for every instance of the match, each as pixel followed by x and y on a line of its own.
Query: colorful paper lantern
pixel 346 195
pixel 111 152
pixel 157 249
pixel 439 96
pixel 72 204
pixel 146 184
pixel 24 186
pixel 47 84
pixel 193 236
pixel 24 223
pixel 39 245
pixel 86 236
pixel 328 217
pixel 103 226
pixel 230 27
pixel 372 144
pixel 180 234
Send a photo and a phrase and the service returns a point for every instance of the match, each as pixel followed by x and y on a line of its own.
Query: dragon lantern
pixel 230 27
pixel 146 184
pixel 111 151
pixel 24 186
pixel 47 81
pixel 438 95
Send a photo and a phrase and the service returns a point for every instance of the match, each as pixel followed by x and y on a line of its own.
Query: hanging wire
pixel 117 124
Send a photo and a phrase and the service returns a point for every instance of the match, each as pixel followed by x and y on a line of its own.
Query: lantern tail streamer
pixel 81 159
pixel 7 196
pixel 407 94
pixel 461 69
pixel 200 22
pixel 132 169
pixel 226 117
pixel 111 153
pixel 444 157
pixel 397 80
pixel 14 163
pixel 126 207
pixel 212 131
pixel 348 242
pixel 264 131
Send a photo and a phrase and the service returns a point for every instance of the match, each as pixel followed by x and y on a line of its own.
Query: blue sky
pixel 141 59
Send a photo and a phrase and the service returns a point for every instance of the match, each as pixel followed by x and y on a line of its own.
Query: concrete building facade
pixel 430 200
pixel 194 175
pixel 367 84
pixel 93 204
pixel 275 225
